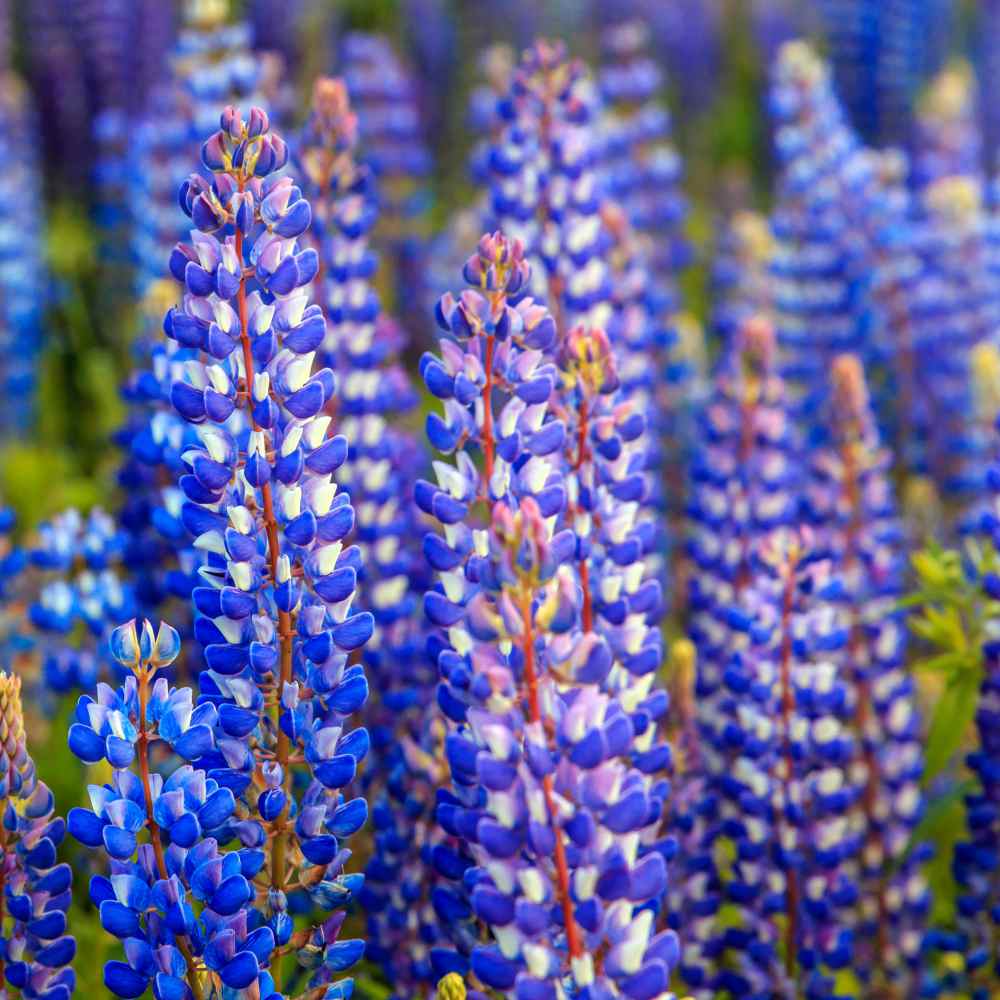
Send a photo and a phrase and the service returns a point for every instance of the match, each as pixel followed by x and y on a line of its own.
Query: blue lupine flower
pixel 379 475
pixel 814 842
pixel 741 278
pixel 108 727
pixel 589 266
pixel 80 582
pixel 557 220
pixel 546 761
pixel 276 613
pixel 644 171
pixel 210 65
pixel 851 502
pixel 956 311
pixel 948 142
pixel 820 266
pixel 147 900
pixel 36 949
pixel 743 487
pixel 778 752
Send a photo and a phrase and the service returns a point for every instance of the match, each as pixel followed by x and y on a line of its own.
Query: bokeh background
pixel 87 73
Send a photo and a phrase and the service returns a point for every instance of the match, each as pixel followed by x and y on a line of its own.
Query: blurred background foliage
pixel 723 139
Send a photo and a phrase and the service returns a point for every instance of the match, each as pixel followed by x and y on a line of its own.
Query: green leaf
pixel 953 714
pixel 947 662
pixel 942 626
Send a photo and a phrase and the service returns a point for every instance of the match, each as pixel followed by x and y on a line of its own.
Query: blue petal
pixel 85 743
pixel 119 920
pixel 120 844
pixel 343 954
pixel 86 827
pixel 241 971
pixel 349 818
pixel 493 969
pixel 60 952
pixel 124 981
pixel 194 743
pixel 232 895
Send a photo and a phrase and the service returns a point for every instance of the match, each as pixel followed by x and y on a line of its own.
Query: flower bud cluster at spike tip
pixel 379 475
pixel 36 950
pixel 109 728
pixel 210 65
pixel 82 591
pixel 545 190
pixel 948 139
pixel 546 762
pixel 276 605
pixel 850 501
pixel 820 265
pixel 741 280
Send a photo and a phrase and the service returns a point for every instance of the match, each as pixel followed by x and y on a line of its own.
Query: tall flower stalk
pixel 852 503
pixel 35 889
pixel 547 754
pixel 276 613
pixel 379 475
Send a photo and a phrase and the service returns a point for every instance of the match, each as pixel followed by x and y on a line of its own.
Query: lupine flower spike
pixel 405 766
pixel 276 611
pixel 546 760
pixel 852 504
pixel 36 950
pixel 148 901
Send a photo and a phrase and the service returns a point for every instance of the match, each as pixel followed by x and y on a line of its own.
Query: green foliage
pixel 950 612
pixel 37 481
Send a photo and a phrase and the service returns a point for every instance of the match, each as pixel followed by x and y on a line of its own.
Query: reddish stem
pixel 286 630
pixel 787 708
pixel 489 443
pixel 573 941
pixel 582 456
pixel 142 752
pixel 856 645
